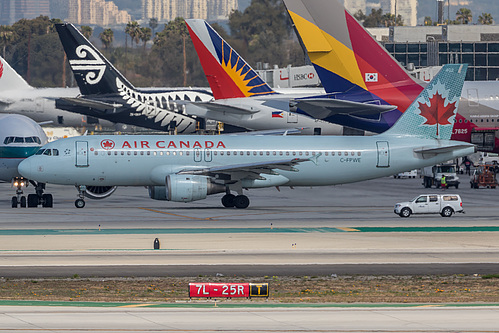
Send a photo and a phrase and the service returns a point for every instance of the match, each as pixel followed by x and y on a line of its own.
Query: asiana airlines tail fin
pixel 347 58
pixel 228 74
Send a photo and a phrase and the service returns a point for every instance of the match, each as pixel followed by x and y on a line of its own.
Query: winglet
pixel 433 113
pixel 93 72
pixel 9 79
pixel 228 74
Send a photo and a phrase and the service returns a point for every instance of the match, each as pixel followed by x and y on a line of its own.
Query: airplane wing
pixel 246 171
pixel 101 106
pixel 211 106
pixel 322 108
pixel 278 131
pixel 440 150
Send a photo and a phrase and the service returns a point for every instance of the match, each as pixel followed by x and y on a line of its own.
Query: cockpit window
pixel 18 139
pixel 48 152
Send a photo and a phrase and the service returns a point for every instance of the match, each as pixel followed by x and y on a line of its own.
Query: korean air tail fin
pixel 9 79
pixel 346 57
pixel 228 74
pixel 93 72
pixel 432 114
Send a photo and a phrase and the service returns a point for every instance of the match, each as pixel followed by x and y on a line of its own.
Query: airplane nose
pixel 24 168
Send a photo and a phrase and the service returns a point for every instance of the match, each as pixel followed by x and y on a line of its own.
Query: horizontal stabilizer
pixel 322 108
pixel 440 150
pixel 211 106
pixel 101 106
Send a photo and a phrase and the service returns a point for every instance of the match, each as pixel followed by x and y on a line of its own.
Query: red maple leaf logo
pixel 437 113
pixel 107 144
pixel 1 69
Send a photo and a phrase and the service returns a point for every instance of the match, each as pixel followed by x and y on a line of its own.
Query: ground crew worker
pixel 443 182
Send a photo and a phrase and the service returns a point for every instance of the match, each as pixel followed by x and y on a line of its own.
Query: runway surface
pixel 250 319
pixel 348 229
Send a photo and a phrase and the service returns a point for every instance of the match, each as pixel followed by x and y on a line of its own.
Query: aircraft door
pixel 197 155
pixel 383 160
pixel 81 154
pixel 292 117
pixel 208 155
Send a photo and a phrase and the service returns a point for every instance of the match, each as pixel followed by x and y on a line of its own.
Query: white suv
pixel 443 204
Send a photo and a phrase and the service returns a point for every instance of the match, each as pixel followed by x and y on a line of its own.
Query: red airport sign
pixel 228 290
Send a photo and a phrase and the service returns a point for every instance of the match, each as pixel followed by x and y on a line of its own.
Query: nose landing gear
pixel 33 200
pixel 19 199
pixel 80 203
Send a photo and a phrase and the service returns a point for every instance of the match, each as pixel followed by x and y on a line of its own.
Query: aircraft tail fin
pixel 9 79
pixel 228 74
pixel 93 72
pixel 345 55
pixel 433 113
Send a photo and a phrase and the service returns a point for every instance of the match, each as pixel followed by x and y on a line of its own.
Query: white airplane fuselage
pixel 148 160
pixel 39 105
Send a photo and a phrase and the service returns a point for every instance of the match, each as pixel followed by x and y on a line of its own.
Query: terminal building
pixel 426 46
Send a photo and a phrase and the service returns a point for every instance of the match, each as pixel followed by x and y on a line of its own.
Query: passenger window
pixel 135 153
pixel 433 198
pixel 287 153
pixel 142 153
pixel 129 153
pixel 280 153
pixel 267 153
pixel 339 153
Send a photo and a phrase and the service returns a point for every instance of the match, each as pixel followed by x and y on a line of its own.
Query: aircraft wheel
pixel 23 202
pixel 228 200
pixel 241 201
pixel 79 203
pixel 32 200
pixel 14 202
pixel 48 200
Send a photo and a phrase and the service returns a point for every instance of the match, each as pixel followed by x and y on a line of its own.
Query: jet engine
pixel 99 192
pixel 185 188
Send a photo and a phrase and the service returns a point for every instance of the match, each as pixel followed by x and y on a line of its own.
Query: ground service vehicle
pixel 443 204
pixel 484 175
pixel 433 175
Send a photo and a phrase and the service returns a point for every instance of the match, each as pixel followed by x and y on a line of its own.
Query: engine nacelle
pixel 185 188
pixel 99 192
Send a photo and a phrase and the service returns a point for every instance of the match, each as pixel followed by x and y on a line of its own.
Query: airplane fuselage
pixel 148 160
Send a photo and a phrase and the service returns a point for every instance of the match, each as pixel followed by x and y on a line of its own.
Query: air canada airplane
pixel 242 98
pixel 20 137
pixel 189 168
pixel 353 66
pixel 17 96
pixel 106 94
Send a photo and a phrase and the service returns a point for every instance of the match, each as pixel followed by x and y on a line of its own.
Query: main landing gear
pixel 239 201
pixel 40 198
pixel 80 203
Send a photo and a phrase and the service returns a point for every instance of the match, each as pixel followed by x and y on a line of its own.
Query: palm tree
pixel 6 36
pixel 428 21
pixel 153 23
pixel 145 35
pixel 464 15
pixel 486 19
pixel 133 30
pixel 107 37
pixel 87 31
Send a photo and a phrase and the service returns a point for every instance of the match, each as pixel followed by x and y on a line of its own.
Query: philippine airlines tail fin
pixel 228 74
pixel 346 57
pixel 9 79
pixel 433 112
pixel 93 72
